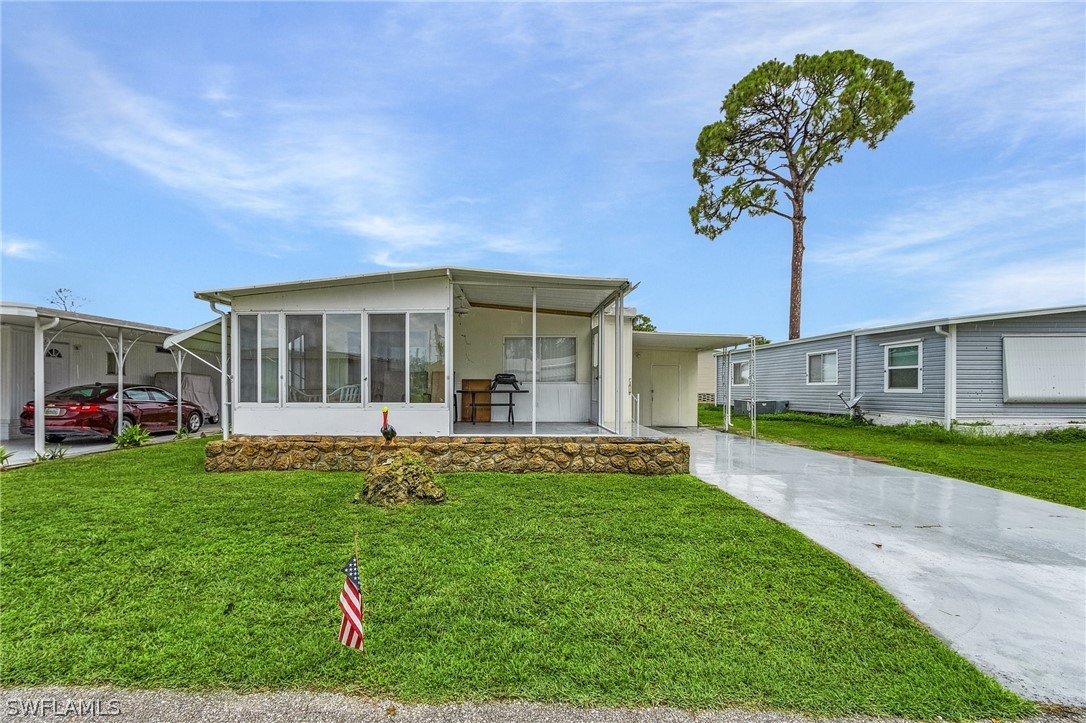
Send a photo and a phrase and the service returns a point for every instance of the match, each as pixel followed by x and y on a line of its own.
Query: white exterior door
pixel 665 395
pixel 57 367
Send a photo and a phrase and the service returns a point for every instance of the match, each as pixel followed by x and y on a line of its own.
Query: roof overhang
pixel 16 314
pixel 485 288
pixel 685 341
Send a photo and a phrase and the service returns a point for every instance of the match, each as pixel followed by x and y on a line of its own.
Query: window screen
pixel 1044 369
pixel 557 357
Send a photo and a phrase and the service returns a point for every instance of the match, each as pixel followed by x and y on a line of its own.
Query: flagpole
pixel 361 596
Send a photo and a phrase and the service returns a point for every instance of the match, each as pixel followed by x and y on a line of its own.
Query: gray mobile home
pixel 1013 370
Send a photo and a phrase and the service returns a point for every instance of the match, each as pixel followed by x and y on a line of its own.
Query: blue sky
pixel 151 149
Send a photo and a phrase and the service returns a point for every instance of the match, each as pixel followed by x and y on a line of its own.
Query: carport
pixel 48 325
pixel 209 344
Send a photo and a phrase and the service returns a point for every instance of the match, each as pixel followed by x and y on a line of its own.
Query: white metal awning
pixel 686 341
pixel 203 342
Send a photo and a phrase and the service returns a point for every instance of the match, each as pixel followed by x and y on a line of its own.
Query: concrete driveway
pixel 23 446
pixel 998 576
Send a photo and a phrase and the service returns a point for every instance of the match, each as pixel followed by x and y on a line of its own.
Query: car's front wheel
pixel 195 422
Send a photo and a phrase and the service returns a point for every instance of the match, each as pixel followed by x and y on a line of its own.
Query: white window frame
pixel 836 369
pixel 576 356
pixel 919 344
pixel 731 379
pixel 407 404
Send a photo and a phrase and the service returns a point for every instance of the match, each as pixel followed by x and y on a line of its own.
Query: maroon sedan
pixel 91 411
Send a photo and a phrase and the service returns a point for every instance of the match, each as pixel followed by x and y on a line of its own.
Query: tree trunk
pixel 796 298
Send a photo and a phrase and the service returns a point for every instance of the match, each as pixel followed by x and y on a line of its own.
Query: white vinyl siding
pixel 904 367
pixel 1044 368
pixel 822 367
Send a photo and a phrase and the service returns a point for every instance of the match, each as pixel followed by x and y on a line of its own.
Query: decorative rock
pixel 399 477
pixel 453 454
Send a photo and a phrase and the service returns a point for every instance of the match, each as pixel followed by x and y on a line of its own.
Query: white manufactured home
pixel 440 348
pixel 43 350
pixel 1006 371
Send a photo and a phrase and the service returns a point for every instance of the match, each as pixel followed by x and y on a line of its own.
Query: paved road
pixel 290 707
pixel 998 576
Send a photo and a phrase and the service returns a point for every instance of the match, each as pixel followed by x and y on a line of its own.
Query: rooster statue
pixel 387 430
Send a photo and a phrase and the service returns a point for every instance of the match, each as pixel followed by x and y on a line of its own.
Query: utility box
pixel 742 406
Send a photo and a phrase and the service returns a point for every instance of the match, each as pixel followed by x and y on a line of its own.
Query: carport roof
pixel 24 315
pixel 476 287
pixel 684 340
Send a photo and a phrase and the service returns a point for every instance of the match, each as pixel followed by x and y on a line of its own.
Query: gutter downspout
pixel 224 381
pixel 950 384
pixel 39 382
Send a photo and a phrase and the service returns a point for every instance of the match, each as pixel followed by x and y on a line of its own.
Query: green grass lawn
pixel 136 568
pixel 1049 466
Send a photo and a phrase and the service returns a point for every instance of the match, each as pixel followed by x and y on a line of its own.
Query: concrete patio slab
pixel 998 576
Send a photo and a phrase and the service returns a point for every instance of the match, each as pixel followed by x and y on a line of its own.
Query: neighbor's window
pixel 557 357
pixel 407 357
pixel 822 368
pixel 903 368
pixel 344 372
pixel 305 348
pixel 258 358
pixel 740 373
pixel 111 364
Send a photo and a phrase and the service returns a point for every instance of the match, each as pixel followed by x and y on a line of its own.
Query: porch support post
pixel 620 377
pixel 601 340
pixel 119 355
pixel 224 362
pixel 39 382
pixel 535 364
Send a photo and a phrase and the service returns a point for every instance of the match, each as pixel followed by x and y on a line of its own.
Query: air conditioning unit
pixel 742 406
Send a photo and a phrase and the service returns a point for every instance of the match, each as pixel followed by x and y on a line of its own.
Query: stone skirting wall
pixel 455 454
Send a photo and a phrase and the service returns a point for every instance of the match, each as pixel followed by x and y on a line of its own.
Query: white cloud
pixel 1056 281
pixel 327 163
pixel 22 248
pixel 989 220
pixel 980 248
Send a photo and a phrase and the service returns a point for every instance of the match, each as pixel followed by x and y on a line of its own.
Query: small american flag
pixel 351 630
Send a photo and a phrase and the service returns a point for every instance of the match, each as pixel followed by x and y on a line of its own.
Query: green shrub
pixel 134 436
pixel 54 452
pixel 5 455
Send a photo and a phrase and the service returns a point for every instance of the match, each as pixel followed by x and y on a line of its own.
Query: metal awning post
pixel 728 393
pixel 753 390
pixel 178 360
pixel 535 363
pixel 119 355
pixel 39 382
